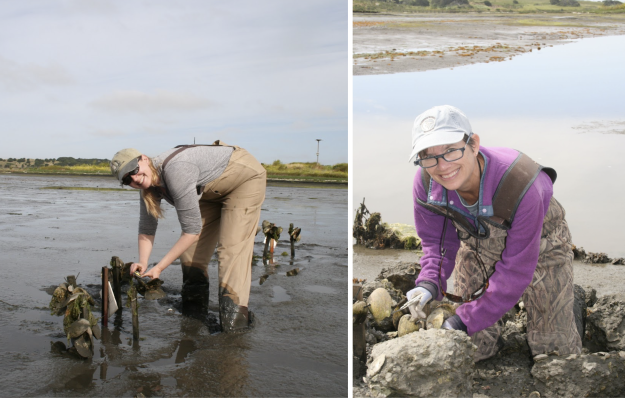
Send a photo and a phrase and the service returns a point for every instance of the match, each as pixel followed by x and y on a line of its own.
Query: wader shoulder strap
pixel 512 188
pixel 182 147
pixel 441 210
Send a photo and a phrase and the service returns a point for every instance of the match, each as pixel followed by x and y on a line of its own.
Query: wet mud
pixel 385 44
pixel 297 348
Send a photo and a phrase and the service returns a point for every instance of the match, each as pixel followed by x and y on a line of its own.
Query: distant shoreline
pixel 291 181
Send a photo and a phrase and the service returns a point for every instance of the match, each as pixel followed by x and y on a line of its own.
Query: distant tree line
pixel 565 3
pixel 69 161
pixel 448 3
pixel 608 3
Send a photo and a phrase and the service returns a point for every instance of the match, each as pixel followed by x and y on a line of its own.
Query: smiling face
pixel 462 175
pixel 143 179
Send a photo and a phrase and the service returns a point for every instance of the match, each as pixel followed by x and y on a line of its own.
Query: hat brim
pixel 435 139
pixel 129 167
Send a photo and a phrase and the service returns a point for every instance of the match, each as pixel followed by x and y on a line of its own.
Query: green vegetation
pixel 309 171
pixel 306 171
pixel 508 6
pixel 446 3
pixel 63 165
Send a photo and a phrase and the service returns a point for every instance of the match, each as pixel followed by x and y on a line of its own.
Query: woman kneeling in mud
pixel 509 237
pixel 217 191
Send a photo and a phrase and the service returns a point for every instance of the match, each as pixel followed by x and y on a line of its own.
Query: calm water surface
pixel 298 348
pixel 562 106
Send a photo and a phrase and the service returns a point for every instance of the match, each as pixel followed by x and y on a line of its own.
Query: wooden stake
pixel 134 307
pixel 105 296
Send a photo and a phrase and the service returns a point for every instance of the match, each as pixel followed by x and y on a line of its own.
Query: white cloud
pixel 16 77
pixel 133 101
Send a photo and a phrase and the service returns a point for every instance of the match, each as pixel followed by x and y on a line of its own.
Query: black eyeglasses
pixel 127 179
pixel 451 155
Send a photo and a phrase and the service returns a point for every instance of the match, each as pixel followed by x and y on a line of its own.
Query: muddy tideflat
pixel 297 348
pixel 385 44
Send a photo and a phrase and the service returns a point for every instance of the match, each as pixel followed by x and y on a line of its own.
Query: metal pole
pixel 318 140
pixel 105 296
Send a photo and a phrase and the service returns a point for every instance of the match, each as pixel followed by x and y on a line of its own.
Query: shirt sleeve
pixel 519 259
pixel 429 228
pixel 181 180
pixel 147 222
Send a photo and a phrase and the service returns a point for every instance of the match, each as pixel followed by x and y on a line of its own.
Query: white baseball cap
pixel 440 125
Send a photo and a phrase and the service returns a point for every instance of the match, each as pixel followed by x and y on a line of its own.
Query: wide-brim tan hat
pixel 440 125
pixel 124 161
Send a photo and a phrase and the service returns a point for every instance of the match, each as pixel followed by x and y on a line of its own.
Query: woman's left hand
pixel 153 273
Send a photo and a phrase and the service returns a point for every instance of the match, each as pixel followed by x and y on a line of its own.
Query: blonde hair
pixel 151 195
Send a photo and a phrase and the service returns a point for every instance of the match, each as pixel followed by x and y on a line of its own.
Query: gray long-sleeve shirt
pixel 193 167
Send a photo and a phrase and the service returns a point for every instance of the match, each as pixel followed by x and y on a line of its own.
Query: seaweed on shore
pixel 370 231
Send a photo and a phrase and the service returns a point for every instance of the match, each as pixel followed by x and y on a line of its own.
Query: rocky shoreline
pixel 433 362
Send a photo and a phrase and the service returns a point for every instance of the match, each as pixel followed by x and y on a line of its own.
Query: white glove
pixel 416 309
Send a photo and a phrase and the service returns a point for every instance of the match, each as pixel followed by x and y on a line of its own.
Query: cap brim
pixel 434 139
pixel 129 167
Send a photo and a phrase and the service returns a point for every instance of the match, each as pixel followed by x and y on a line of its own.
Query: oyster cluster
pixel 79 324
pixel 271 230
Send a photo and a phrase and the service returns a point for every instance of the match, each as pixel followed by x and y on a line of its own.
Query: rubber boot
pixel 232 317
pixel 194 291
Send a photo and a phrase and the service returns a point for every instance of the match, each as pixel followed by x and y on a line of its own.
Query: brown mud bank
pixel 397 357
pixel 386 44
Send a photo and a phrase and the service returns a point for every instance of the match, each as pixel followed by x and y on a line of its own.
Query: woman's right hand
pixel 416 309
pixel 137 267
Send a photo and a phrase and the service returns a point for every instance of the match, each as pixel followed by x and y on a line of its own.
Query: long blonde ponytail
pixel 151 195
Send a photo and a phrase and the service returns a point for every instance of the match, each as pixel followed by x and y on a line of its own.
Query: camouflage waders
pixel 549 297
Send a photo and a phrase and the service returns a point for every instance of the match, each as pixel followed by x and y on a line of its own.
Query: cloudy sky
pixel 85 78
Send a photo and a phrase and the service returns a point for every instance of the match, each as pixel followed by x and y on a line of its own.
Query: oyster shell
pixel 83 346
pixel 439 315
pixel 78 328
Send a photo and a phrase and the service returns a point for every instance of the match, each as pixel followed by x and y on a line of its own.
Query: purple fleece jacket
pixel 515 270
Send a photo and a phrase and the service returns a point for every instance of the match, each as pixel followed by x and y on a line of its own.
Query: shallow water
pixel 299 345
pixel 560 105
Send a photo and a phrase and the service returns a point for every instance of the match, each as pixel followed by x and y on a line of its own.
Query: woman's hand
pixel 137 267
pixel 153 273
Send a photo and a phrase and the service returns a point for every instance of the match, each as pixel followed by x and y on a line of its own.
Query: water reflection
pixel 555 105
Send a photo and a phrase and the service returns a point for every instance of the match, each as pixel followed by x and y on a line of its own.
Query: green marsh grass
pixel 306 171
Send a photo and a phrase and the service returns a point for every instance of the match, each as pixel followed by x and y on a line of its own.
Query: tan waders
pixel 549 297
pixel 230 208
